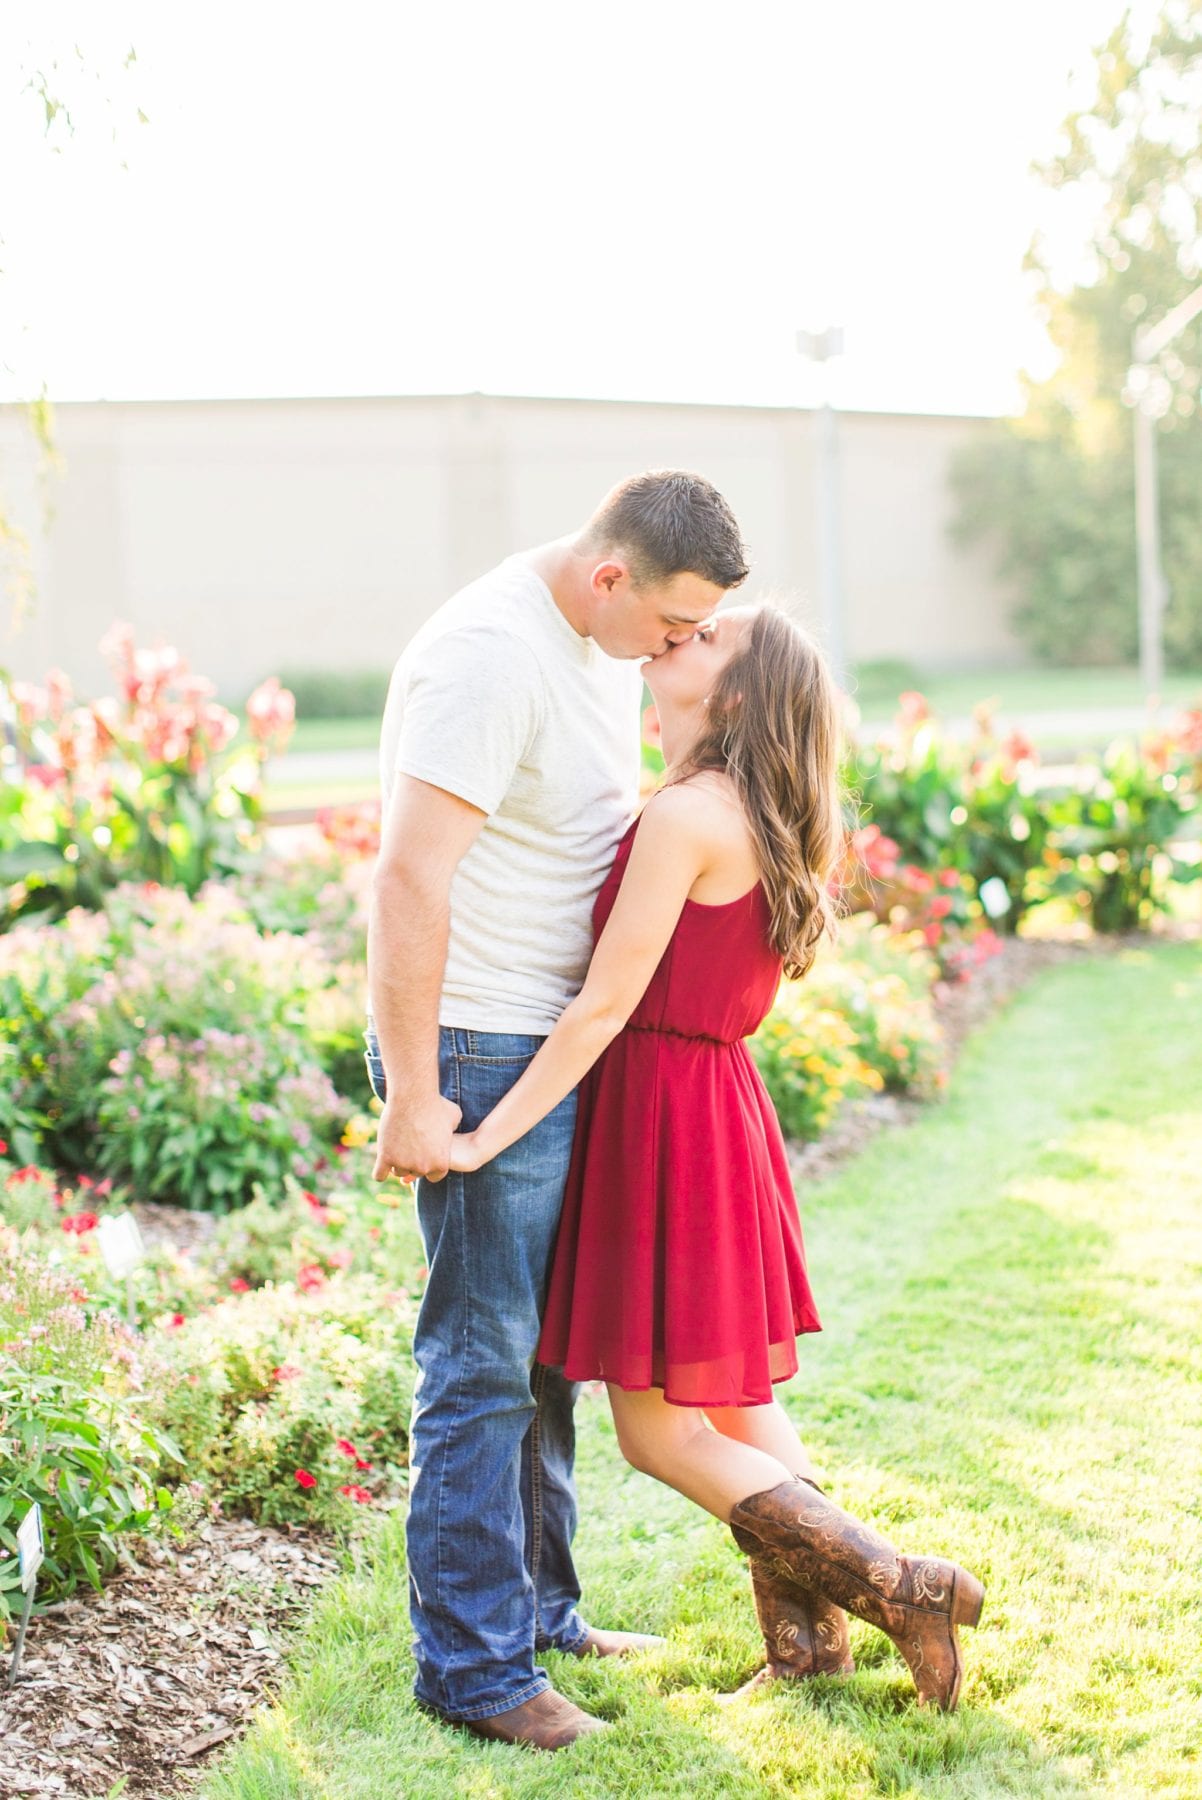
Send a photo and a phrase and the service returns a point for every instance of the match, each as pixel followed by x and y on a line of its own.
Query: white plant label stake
pixel 31 1549
pixel 123 1251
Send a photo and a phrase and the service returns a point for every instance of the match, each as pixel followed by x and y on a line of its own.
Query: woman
pixel 679 1276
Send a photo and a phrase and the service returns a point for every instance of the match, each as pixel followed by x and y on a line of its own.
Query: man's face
pixel 630 622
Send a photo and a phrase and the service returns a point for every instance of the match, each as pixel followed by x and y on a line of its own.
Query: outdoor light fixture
pixel 821 347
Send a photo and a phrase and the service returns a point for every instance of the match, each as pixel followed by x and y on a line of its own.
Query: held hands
pixel 466 1154
pixel 413 1141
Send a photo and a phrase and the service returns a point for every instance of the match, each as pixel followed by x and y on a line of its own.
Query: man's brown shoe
pixel 548 1722
pixel 806 1541
pixel 615 1643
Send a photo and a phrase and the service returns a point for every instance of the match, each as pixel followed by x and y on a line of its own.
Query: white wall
pixel 265 534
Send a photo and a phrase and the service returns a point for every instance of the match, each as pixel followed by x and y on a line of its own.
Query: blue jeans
pixel 492 1504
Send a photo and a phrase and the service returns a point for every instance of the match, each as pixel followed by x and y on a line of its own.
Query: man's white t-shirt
pixel 498 700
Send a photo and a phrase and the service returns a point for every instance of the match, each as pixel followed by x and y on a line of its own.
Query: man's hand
pixel 415 1141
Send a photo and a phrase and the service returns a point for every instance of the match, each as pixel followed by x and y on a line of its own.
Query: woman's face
pixel 685 675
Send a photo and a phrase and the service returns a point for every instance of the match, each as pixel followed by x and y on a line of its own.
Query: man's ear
pixel 606 576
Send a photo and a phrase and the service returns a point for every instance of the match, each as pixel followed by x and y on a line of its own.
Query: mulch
pixel 144 1680
pixel 167 1663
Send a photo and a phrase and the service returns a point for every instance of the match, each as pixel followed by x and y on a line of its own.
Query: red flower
pixel 346 1447
pixel 320 1212
pixel 79 1295
pixel 361 1462
pixel 3 1148
pixel 373 1232
pixel 309 1278
pixel 286 1372
pixel 940 906
pixel 84 1181
pixel 357 1493
pixel 304 1479
pixel 932 934
pixel 175 1321
pixel 85 1221
pixel 239 1285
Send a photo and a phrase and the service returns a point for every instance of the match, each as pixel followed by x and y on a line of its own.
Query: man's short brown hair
pixel 669 522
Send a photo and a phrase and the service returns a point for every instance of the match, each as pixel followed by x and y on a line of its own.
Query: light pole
pixel 1146 346
pixel 821 347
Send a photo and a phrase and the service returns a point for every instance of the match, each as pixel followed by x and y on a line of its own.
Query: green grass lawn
pixel 1009 1373
pixel 877 685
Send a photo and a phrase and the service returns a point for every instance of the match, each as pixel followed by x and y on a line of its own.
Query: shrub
pixel 165 1043
pixel 880 982
pixel 337 693
pixel 78 1433
pixel 368 1230
pixel 861 1020
pixel 285 1398
pixel 145 785
pixel 1113 829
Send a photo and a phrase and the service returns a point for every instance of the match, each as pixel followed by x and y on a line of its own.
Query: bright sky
pixel 631 199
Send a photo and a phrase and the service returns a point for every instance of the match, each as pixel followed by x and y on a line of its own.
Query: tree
pixel 1054 489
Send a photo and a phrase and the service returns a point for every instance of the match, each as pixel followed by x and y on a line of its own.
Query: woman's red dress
pixel 679 1262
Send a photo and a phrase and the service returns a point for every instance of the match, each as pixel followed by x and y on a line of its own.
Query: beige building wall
pixel 268 534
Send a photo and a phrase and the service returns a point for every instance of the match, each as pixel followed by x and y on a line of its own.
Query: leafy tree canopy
pixel 1054 489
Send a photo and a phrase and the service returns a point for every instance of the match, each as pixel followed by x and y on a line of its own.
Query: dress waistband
pixel 689 1037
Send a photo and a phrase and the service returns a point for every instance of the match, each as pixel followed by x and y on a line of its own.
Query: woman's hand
pixel 466 1153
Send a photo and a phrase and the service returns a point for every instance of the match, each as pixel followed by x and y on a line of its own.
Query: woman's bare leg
pixel 767 1428
pixel 679 1446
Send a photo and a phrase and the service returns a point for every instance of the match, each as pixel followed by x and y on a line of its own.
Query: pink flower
pixel 877 852
pixel 320 1212
pixel 271 713
pixel 949 878
pixel 304 1479
pixel 918 879
pixel 940 906
pixel 339 1259
pixel 912 708
pixel 932 934
pixel 286 1372
pixel 239 1285
pixel 309 1277
pixel 356 1493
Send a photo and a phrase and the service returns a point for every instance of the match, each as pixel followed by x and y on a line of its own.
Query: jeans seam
pixel 442 1473
pixel 536 1489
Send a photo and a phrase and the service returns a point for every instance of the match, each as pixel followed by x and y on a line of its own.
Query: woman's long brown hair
pixel 774 728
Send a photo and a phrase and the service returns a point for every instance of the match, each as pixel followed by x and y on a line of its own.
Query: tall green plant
pixel 145 785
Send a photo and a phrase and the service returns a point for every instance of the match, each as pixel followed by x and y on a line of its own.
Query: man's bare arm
pixel 426 834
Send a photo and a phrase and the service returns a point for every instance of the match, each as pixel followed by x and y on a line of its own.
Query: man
pixel 509 765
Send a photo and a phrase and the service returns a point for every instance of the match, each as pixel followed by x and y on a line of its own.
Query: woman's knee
pixel 649 1431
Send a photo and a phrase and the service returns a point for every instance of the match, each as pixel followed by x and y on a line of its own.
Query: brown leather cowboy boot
pixel 810 1543
pixel 804 1633
pixel 548 1722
